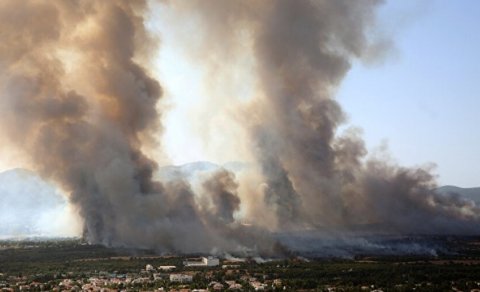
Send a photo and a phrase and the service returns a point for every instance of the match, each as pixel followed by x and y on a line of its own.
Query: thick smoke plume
pixel 315 178
pixel 78 99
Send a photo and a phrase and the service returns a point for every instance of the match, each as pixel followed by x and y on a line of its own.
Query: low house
pixel 181 278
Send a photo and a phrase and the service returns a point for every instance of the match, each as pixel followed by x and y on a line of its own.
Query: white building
pixel 210 261
pixel 167 268
pixel 181 278
pixel 149 268
pixel 204 262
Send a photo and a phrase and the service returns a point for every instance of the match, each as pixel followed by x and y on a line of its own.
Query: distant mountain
pixel 195 172
pixel 28 205
pixel 192 171
pixel 186 171
pixel 31 206
pixel 468 193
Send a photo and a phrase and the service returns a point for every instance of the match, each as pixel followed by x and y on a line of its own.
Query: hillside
pixel 468 193
pixel 192 171
pixel 29 206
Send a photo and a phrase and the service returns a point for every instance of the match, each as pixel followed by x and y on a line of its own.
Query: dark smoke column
pixel 314 178
pixel 303 50
pixel 74 98
pixel 77 102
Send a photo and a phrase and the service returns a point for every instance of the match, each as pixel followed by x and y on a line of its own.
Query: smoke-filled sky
pixel 430 72
pixel 421 98
pixel 95 96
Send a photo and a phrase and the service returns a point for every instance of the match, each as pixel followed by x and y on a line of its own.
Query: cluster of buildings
pixel 160 278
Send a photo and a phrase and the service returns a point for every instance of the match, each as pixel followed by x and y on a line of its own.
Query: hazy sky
pixel 424 100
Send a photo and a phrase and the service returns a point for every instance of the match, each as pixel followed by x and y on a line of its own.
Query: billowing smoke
pixel 221 191
pixel 77 97
pixel 315 178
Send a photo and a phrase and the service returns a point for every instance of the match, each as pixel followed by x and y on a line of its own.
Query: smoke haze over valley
pixel 82 107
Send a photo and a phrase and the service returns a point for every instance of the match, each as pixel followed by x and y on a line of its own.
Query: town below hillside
pixel 72 265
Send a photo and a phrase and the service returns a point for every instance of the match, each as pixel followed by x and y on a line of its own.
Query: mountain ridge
pixel 468 193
